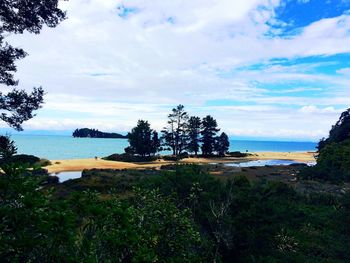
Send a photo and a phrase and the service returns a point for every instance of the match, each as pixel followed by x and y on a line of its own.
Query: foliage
pixel 333 163
pixel 17 17
pixel 339 132
pixel 209 130
pixel 143 140
pixel 174 135
pixel 7 148
pixel 125 157
pixel 35 227
pixel 333 160
pixel 93 133
pixel 194 127
pixel 238 154
pixel 222 144
pixel 24 159
pixel 17 106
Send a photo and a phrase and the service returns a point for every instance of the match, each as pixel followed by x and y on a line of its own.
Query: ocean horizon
pixel 60 147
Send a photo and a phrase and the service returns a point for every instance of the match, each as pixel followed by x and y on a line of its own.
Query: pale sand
pixel 81 164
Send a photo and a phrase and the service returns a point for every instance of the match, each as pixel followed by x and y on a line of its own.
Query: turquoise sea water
pixel 55 147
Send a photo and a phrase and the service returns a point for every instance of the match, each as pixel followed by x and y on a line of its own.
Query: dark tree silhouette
pixel 174 135
pixel 339 132
pixel 222 144
pixel 209 131
pixel 142 139
pixel 17 106
pixel 16 17
pixel 155 142
pixel 194 131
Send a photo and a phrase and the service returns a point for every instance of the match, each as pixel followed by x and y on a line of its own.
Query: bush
pixel 24 159
pixel 172 158
pixel 175 158
pixel 333 164
pixel 238 154
pixel 43 163
pixel 124 157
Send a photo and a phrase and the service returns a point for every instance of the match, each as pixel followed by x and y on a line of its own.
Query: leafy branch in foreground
pixel 17 106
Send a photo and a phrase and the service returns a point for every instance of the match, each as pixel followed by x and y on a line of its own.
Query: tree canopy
pixel 142 139
pixel 17 106
pixel 339 132
pixel 209 131
pixel 16 17
pixel 194 129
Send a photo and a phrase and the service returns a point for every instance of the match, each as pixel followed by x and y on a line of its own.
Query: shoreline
pixel 92 163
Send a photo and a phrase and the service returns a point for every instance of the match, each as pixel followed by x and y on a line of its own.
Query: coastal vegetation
pixel 182 214
pixel 333 158
pixel 94 133
pixel 183 134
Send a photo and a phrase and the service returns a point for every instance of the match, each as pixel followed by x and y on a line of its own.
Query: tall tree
pixel 174 135
pixel 222 144
pixel 16 17
pixel 194 131
pixel 209 131
pixel 142 139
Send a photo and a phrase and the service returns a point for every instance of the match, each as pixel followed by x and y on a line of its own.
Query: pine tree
pixel 222 144
pixel 174 135
pixel 209 131
pixel 194 131
pixel 140 139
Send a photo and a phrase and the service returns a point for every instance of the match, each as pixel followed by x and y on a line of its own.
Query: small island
pixel 94 133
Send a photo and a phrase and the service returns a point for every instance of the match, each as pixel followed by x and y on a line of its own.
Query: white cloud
pixel 106 69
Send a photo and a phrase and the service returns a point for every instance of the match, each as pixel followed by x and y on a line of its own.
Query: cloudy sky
pixel 264 69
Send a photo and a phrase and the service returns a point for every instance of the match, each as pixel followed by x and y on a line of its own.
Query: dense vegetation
pixel 93 133
pixel 333 161
pixel 183 215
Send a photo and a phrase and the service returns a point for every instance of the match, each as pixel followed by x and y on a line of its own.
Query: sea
pixel 58 147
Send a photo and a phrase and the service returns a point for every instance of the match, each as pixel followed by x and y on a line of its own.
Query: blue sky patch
pixel 296 14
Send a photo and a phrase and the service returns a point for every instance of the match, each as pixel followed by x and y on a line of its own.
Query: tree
pixel 339 132
pixel 209 131
pixel 194 130
pixel 7 148
pixel 155 143
pixel 16 17
pixel 20 16
pixel 141 140
pixel 17 106
pixel 174 136
pixel 222 144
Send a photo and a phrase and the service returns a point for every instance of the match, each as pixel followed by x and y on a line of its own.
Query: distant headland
pixel 94 133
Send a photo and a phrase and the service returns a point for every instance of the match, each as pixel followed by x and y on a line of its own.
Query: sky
pixel 265 69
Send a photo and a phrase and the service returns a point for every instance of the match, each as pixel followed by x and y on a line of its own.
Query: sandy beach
pixel 91 163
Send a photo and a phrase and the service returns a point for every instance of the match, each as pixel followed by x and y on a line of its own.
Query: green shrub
pixel 124 157
pixel 238 154
pixel 24 159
